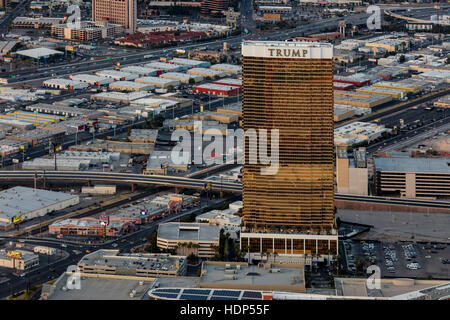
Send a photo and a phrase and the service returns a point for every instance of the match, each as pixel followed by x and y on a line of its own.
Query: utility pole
pixel 54 145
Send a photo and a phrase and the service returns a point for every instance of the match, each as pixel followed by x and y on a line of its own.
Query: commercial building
pixel 117 75
pixel 122 12
pixel 99 189
pixel 94 158
pixel 62 110
pixel 182 77
pixel 89 227
pixel 98 287
pixel 360 99
pixel 143 135
pixel 120 97
pixel 87 31
pixel 264 276
pixel 217 89
pixel 230 68
pixel 406 85
pixel 394 93
pixel 44 250
pixel 173 234
pixel 412 177
pixel 343 86
pixel 64 84
pixel 230 82
pixel 352 174
pixel 443 102
pixel 160 163
pixel 35 23
pixel 91 79
pixel 159 82
pixel 20 204
pixel 213 6
pixel 141 71
pixel 207 73
pixel 166 67
pixel 18 259
pixel 39 54
pixel 61 164
pixel 130 86
pixel 35 118
pixel 358 80
pixel 290 210
pixel 358 132
pixel 144 265
pixel 225 219
pixel 189 63
pixel 116 146
pixel 225 118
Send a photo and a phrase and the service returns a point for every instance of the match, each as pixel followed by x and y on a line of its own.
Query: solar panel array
pixel 206 294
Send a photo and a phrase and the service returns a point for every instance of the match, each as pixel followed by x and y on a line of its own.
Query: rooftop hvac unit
pixel 274 270
pixel 230 271
pixel 230 277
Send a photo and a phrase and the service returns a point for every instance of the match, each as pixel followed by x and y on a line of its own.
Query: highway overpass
pixel 189 183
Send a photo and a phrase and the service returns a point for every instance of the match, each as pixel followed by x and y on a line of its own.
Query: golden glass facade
pixel 295 96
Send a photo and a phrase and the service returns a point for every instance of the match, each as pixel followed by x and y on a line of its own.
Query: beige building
pixel 352 175
pixel 18 259
pixel 199 236
pixel 413 177
pixel 88 31
pixel 123 12
pixel 111 262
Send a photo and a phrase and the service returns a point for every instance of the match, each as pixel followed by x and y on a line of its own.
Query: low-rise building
pixel 19 204
pixel 91 79
pixel 130 86
pixel 98 189
pixel 358 132
pixel 208 73
pixel 117 75
pixel 18 259
pixel 143 135
pixel 140 71
pixel 352 174
pixel 111 262
pixel 217 89
pixel 87 31
pixel 160 162
pixel 412 177
pixel 64 84
pixel 159 82
pixel 230 68
pixel 190 63
pixel 182 77
pixel 202 236
pixel 89 227
pixel 165 67
pixel 360 99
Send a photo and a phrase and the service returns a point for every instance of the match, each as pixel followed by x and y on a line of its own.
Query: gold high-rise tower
pixel 289 86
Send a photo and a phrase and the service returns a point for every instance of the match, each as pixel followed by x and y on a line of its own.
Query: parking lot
pixel 399 259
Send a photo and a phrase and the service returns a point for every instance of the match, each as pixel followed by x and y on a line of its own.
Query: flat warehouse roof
pixel 188 231
pixel 37 53
pixel 413 165
pixel 23 200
